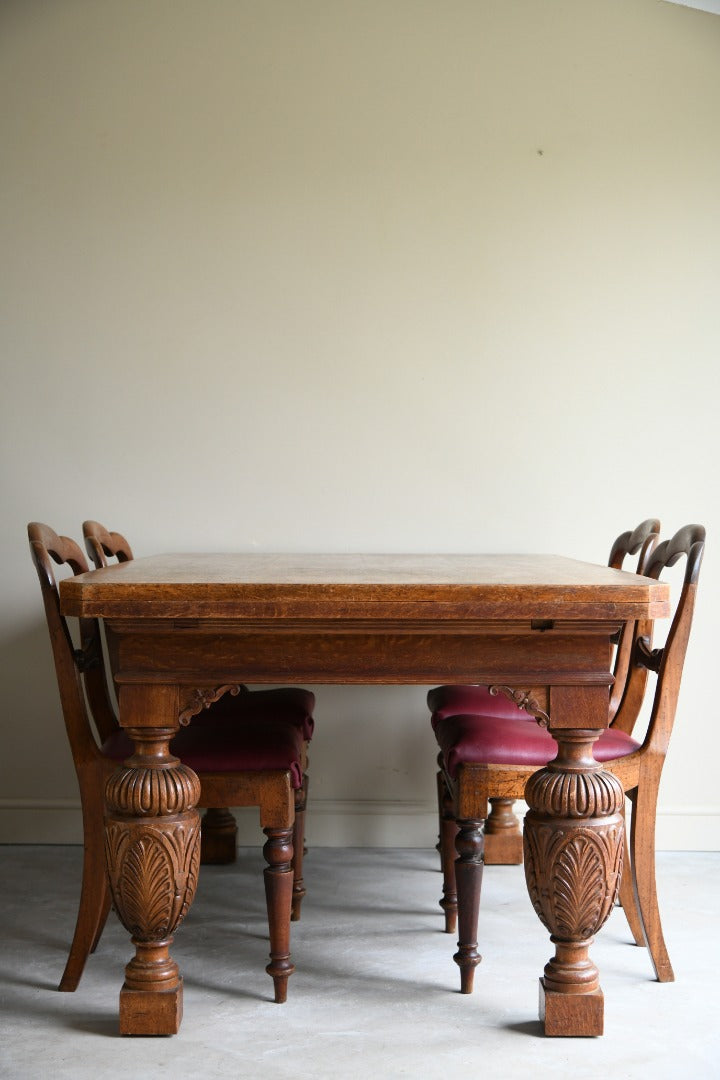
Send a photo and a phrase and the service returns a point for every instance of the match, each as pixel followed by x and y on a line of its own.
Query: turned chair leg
pixel 468 874
pixel 278 852
pixel 642 853
pixel 448 832
pixel 626 897
pixel 218 837
pixel 299 889
pixel 94 893
pixel 503 835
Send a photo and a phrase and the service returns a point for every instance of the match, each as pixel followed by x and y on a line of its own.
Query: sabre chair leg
pixel 105 911
pixel 642 844
pixel 94 892
pixel 626 897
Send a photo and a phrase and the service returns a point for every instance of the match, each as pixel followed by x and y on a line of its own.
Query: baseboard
pixel 339 823
pixel 40 821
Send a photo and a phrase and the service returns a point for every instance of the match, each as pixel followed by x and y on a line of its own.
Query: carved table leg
pixel 153 853
pixel 573 862
pixel 468 875
pixel 503 835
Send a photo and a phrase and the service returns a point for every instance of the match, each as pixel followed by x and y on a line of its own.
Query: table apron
pixel 197 657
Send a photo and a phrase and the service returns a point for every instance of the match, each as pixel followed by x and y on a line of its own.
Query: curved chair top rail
pixel 667 662
pixel 629 685
pixel 73 666
pixel 688 541
pixel 642 539
pixel 102 544
pixel 47 545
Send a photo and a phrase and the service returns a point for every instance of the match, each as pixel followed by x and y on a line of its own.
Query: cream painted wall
pixel 356 275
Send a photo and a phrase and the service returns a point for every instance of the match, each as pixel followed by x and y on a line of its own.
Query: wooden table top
pixel 477 586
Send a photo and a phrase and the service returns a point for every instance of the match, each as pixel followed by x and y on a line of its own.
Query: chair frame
pixel 638 772
pixel 80 675
pixel 466 795
pixel 503 833
pixel 218 842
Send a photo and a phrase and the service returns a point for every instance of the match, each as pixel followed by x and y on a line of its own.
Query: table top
pixel 477 586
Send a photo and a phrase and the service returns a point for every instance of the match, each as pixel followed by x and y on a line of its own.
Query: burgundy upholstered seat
pixel 289 703
pixel 497 740
pixel 222 746
pixel 458 700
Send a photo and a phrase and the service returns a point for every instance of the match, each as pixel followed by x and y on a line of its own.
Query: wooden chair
pixel 503 835
pixel 483 754
pixel 244 756
pixel 219 828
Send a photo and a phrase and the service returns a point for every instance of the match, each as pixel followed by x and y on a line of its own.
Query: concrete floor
pixel 375 991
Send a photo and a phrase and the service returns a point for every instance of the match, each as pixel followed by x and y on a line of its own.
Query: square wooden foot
pixel 571 1014
pixel 503 849
pixel 144 1012
pixel 218 849
pixel 218 836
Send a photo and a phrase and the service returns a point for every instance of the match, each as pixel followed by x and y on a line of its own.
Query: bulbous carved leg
pixel 278 852
pixel 468 875
pixel 153 853
pixel 448 833
pixel 573 861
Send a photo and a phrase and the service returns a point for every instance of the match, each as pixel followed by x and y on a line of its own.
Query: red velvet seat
pixel 456 700
pixel 219 746
pixel 497 740
pixel 292 704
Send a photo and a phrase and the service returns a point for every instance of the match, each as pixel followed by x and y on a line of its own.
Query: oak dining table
pixel 184 629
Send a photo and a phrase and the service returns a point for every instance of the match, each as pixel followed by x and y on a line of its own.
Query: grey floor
pixel 375 991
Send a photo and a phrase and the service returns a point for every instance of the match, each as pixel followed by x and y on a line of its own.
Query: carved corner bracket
pixel 203 697
pixel 524 700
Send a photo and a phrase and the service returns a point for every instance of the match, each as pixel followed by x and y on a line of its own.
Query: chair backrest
pixel 71 664
pixel 103 545
pixel 630 684
pixel 642 539
pixel 667 662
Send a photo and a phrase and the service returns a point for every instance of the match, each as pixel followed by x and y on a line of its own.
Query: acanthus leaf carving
pixel 566 872
pixel 153 875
